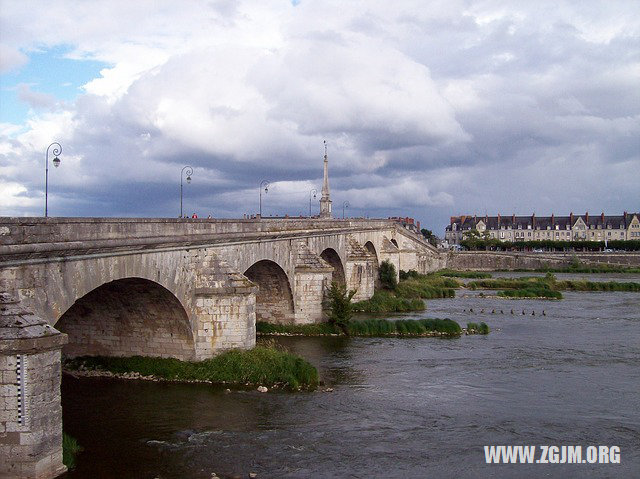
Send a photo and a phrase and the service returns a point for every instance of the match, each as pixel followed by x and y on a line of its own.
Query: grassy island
pixel 477 328
pixel 368 327
pixel 408 293
pixel 265 366
pixel 548 286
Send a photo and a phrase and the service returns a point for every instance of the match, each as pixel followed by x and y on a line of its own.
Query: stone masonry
pixel 30 408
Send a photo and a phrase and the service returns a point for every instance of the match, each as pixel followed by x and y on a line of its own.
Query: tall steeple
pixel 325 201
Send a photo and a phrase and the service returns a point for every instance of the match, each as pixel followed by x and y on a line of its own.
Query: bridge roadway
pixel 183 288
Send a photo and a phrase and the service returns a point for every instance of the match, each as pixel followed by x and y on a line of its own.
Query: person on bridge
pixel 194 216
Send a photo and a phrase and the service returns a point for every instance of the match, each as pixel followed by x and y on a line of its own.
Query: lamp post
pixel 189 173
pixel 313 192
pixel 56 162
pixel 344 205
pixel 264 183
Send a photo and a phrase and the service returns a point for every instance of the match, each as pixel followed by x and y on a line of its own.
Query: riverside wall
pixel 495 260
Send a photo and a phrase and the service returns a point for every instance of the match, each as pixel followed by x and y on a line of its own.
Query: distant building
pixel 539 228
pixel 408 223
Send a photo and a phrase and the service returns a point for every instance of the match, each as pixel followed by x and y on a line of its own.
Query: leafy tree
pixel 340 304
pixel 429 236
pixel 387 275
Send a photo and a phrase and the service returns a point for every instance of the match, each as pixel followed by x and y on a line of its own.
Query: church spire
pixel 325 201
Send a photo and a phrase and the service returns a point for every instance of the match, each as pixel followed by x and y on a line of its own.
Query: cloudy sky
pixel 429 108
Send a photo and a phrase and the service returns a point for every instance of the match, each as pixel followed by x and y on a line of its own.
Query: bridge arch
pixel 369 246
pixel 274 299
pixel 332 257
pixel 127 317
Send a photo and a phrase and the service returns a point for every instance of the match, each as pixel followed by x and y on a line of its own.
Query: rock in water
pixel 262 389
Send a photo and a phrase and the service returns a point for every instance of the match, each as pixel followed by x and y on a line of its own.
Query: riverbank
pixel 426 327
pixel 260 366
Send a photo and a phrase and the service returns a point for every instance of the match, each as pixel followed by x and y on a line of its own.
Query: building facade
pixel 540 228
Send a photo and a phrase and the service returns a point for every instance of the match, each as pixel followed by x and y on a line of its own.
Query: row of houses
pixel 539 228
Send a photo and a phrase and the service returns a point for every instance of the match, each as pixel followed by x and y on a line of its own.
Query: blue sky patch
pixel 49 73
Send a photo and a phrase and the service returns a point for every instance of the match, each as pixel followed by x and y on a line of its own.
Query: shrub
pixel 386 302
pixel 340 304
pixel 387 275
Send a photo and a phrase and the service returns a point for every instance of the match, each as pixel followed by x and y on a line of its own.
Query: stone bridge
pixel 162 287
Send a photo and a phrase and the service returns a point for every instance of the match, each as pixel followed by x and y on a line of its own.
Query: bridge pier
pixel 30 408
pixel 312 277
pixel 225 310
pixel 360 270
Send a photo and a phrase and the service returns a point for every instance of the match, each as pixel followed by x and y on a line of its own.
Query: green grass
pixel 411 327
pixel 261 365
pixel 477 328
pixel 549 282
pixel 409 293
pixel 580 285
pixel 371 327
pixel 70 449
pixel 388 302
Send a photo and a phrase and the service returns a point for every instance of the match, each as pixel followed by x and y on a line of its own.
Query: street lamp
pixel 344 205
pixel 264 183
pixel 189 173
pixel 313 192
pixel 56 162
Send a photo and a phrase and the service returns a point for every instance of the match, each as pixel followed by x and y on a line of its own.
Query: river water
pixel 421 407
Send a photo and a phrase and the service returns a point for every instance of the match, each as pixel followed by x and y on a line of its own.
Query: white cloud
pixel 430 108
pixel 11 59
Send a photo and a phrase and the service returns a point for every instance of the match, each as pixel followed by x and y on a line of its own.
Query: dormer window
pixel 528 227
pixel 557 227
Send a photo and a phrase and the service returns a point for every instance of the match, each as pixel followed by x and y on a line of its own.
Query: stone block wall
pixel 493 260
pixel 128 317
pixel 226 320
pixel 311 287
pixel 361 276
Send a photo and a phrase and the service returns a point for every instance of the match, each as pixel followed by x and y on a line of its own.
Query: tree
pixel 429 236
pixel 340 304
pixel 387 275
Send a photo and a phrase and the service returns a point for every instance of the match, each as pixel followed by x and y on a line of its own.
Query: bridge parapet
pixel 32 238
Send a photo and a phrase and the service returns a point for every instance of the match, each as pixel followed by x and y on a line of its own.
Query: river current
pixel 420 407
